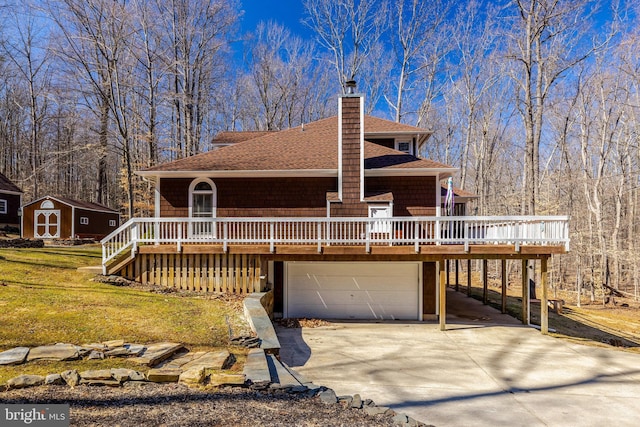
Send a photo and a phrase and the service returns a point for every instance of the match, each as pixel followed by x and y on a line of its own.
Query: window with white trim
pixel 84 220
pixel 112 223
pixel 3 206
pixel 202 201
pixel 405 146
pixel 202 207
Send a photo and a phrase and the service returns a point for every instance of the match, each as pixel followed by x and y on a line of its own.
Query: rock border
pixel 254 377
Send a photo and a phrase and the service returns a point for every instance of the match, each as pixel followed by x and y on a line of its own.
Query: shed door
pixel 47 224
pixel 353 290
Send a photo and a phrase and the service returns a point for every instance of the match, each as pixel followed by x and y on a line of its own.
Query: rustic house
pixel 10 201
pixel 63 218
pixel 340 217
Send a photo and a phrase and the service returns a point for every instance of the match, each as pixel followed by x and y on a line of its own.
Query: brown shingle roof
pixel 312 146
pixel 76 203
pixel 233 137
pixel 7 185
pixel 86 205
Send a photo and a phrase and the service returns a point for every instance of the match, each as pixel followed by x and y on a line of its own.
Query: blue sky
pixel 288 13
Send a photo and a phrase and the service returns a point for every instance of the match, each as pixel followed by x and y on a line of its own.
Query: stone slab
pixel 95 355
pixel 117 352
pixel 106 382
pixel 279 374
pixel 134 349
pixel 100 374
pixel 328 397
pixel 211 360
pixel 54 379
pixel 113 343
pixel 125 350
pixel 181 360
pixel 123 374
pixel 163 375
pixel 192 377
pixel 57 352
pixel 156 353
pixel 71 377
pixel 220 379
pixel 14 356
pixel 94 346
pixel 260 323
pixel 23 381
pixel 256 368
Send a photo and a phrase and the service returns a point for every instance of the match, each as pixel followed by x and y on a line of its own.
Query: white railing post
pixel 134 238
pixel 225 235
pixel 319 236
pixel 179 242
pixel 368 236
pixel 272 237
pixel 465 236
pixel 438 237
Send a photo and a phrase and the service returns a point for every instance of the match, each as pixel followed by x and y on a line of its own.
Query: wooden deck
pixel 425 252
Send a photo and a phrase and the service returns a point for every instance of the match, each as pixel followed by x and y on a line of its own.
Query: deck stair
pixel 118 263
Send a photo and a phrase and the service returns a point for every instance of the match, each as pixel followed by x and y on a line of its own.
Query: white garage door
pixel 353 290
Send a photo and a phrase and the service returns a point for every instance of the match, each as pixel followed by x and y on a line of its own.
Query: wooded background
pixel 537 101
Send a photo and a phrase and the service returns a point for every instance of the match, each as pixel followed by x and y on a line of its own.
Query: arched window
pixel 202 198
pixel 47 204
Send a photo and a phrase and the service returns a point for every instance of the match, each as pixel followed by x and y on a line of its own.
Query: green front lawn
pixel 44 300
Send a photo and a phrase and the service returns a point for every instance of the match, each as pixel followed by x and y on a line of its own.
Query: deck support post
pixel 485 281
pixel 469 277
pixel 544 309
pixel 447 267
pixel 525 293
pixel 457 275
pixel 504 285
pixel 443 297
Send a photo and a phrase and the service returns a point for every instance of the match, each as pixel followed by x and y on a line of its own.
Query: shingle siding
pixel 412 196
pixel 251 197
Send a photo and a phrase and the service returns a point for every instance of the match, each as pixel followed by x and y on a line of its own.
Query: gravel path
pixel 149 404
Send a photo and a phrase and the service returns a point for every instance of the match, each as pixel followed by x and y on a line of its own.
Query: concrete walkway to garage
pixel 486 369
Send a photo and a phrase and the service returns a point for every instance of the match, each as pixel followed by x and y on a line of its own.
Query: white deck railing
pixel 414 231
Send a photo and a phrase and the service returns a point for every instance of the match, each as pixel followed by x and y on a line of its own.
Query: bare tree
pixel 416 27
pixel 284 78
pixel 478 73
pixel 31 62
pixel 349 30
pixel 198 33
pixel 546 41
pixel 85 49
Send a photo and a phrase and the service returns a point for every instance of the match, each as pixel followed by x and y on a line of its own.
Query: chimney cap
pixel 350 86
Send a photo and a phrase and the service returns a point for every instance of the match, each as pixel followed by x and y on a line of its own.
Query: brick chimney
pixel 351 149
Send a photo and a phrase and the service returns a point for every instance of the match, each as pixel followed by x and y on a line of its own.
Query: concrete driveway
pixel 486 372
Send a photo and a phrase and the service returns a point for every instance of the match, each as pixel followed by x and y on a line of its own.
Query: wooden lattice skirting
pixel 229 273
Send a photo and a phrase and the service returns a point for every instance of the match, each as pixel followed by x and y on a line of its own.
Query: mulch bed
pixel 176 405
